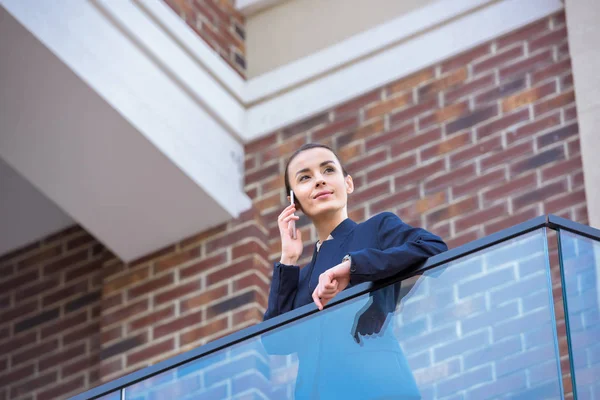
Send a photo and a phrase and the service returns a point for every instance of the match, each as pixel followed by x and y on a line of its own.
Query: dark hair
pixel 305 147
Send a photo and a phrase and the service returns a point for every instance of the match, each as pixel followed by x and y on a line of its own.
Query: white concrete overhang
pixel 144 124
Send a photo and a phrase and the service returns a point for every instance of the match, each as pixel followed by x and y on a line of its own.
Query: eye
pixel 302 177
pixel 329 169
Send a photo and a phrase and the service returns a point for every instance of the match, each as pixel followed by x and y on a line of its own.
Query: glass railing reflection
pixel 580 259
pixel 479 327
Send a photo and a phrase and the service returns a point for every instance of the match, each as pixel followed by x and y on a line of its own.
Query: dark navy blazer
pixel 380 247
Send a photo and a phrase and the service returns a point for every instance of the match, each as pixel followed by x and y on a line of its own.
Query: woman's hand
pixel 331 282
pixel 291 249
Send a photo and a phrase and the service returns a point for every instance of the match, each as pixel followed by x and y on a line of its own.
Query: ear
pixel 349 184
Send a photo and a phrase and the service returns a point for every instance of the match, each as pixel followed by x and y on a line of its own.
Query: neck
pixel 327 223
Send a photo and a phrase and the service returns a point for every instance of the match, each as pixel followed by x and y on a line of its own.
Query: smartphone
pixel 292 224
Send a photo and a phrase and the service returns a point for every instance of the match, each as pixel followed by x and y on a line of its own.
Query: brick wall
pixel 50 305
pixel 219 24
pixel 464 148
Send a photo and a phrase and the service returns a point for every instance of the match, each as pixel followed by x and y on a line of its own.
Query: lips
pixel 322 194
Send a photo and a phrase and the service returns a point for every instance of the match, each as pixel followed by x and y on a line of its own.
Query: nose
pixel 319 181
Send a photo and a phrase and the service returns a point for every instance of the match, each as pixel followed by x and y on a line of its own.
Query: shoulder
pixel 383 218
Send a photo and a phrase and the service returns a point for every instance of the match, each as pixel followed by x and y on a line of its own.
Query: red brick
pixel 204 298
pixel 250 316
pixel 126 312
pixel 412 112
pixel 66 261
pixel 65 293
pixel 33 384
pixel 448 179
pixel 72 386
pixel 388 105
pixel 525 33
pixel 203 331
pixel 394 167
pixel 111 301
pixel 472 119
pixel 34 352
pixel 503 90
pixel 397 133
pixel 18 281
pixel 178 291
pixel 129 279
pixel 414 142
pixel 83 333
pixel 262 173
pixel 485 181
pixel 19 311
pixel 234 236
pixel 419 174
pixel 528 130
pixel 238 267
pixel 249 162
pixel 411 81
pixel 564 201
pixel 446 146
pixel 306 125
pixel 151 286
pixel 530 64
pixel 502 123
pixel 507 155
pixel 512 220
pixel 338 126
pixel 522 184
pixel 64 324
pixel 17 374
pixel 61 357
pixel 478 149
pixel 469 88
pixel 561 134
pixel 109 335
pixel 356 104
pixel 394 200
pixel 366 161
pixel 498 59
pixel 260 144
pixel 18 342
pixel 561 169
pixel 43 255
pixel 539 195
pixel 252 280
pixel 448 113
pixel 459 208
pixel 536 161
pixel 152 318
pixel 466 57
pixel 529 96
pixel 449 80
pixel 177 324
pixel 553 103
pixel 551 71
pixel 152 351
pixel 370 192
pixel 464 238
pixel 85 269
pixel 206 263
pixel 464 223
pixel 570 113
pixel 35 289
pixel 176 260
pixel 552 38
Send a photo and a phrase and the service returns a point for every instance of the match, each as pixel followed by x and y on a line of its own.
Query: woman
pixel 346 254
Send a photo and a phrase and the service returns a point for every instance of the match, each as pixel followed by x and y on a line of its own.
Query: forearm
pixel 284 287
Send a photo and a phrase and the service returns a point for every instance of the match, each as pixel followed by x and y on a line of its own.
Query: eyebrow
pixel 324 163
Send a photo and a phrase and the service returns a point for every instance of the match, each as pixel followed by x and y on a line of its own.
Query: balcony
pixel 481 321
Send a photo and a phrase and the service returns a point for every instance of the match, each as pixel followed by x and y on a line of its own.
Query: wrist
pixel 288 260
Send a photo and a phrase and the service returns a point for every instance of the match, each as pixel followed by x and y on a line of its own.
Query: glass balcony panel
pixel 479 327
pixel 580 258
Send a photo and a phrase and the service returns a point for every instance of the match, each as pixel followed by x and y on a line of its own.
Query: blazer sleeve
pixel 284 286
pixel 400 247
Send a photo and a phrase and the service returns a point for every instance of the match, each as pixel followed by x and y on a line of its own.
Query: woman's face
pixel 318 182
